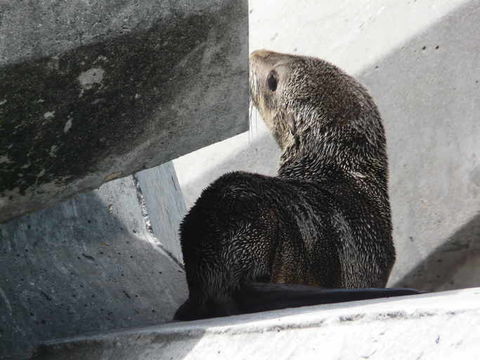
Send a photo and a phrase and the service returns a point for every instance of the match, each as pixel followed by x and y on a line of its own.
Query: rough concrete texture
pixel 93 92
pixel 91 263
pixel 420 61
pixel 435 326
pixel 162 205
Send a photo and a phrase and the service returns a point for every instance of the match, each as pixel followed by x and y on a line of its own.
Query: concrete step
pixel 430 326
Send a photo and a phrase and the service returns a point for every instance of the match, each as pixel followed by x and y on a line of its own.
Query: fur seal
pixel 324 221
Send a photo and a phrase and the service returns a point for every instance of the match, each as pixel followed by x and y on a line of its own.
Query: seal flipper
pixel 256 297
pixel 191 310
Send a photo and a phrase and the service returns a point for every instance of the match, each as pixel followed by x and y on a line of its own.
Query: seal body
pixel 323 221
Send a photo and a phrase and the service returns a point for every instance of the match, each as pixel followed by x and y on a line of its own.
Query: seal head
pixel 315 110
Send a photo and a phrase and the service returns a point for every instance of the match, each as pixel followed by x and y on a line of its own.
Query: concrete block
pixel 90 264
pixel 432 326
pixel 93 92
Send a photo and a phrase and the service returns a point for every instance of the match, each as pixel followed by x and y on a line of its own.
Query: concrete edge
pixel 405 307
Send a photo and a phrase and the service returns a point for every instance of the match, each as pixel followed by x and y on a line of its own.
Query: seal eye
pixel 272 80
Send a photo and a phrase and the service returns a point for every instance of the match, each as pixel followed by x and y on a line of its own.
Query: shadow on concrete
pixel 84 266
pixel 454 264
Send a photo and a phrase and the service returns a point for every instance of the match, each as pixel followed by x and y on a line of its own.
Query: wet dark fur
pixel 324 220
pixel 256 297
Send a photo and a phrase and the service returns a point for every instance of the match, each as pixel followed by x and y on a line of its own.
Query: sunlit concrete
pixel 435 326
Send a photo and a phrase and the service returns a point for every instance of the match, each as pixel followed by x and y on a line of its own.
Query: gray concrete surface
pixel 435 326
pixel 162 204
pixel 100 261
pixel 420 61
pixel 90 92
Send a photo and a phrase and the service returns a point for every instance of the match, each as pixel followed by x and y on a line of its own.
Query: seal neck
pixel 318 155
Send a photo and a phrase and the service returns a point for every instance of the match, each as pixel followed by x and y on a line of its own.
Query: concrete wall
pixel 100 261
pixel 420 61
pixel 93 91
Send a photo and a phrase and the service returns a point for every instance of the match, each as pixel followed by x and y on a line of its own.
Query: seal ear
pixel 272 80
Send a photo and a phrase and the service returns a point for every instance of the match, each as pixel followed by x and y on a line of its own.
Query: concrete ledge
pixel 432 326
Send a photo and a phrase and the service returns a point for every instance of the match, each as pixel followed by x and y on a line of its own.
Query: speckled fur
pixel 324 220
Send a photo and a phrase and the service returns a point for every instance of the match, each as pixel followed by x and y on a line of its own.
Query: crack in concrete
pixel 148 223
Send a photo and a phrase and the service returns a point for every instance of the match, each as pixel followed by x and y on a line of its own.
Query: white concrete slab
pixel 431 326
